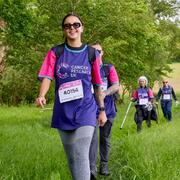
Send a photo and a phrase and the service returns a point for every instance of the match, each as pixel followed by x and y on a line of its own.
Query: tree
pixel 132 39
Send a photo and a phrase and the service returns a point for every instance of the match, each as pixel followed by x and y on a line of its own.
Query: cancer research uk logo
pixel 62 70
pixel 65 70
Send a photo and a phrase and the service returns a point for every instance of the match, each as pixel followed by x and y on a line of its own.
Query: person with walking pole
pixel 110 85
pixel 143 97
pixel 166 93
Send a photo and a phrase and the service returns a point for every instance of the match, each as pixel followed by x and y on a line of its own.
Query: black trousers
pixel 104 145
pixel 142 114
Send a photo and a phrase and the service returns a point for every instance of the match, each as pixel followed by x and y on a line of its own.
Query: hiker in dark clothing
pixel 110 85
pixel 166 94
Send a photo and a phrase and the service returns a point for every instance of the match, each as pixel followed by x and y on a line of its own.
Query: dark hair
pixel 71 14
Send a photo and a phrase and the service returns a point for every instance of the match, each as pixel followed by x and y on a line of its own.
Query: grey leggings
pixel 76 145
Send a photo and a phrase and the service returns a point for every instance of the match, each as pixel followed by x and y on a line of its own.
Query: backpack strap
pixel 106 69
pixel 59 50
pixel 91 54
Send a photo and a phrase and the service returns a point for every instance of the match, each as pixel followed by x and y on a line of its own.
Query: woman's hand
pixel 40 101
pixel 102 118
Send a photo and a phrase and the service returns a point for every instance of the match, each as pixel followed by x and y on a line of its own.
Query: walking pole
pixel 156 104
pixel 126 115
pixel 45 109
pixel 157 107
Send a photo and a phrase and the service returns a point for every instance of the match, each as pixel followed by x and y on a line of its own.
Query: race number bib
pixel 166 96
pixel 143 101
pixel 104 86
pixel 70 91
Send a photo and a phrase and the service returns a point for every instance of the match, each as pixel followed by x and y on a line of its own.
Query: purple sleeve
pixel 47 68
pixel 96 76
pixel 113 77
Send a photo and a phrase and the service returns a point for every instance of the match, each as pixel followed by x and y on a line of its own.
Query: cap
pixel 143 78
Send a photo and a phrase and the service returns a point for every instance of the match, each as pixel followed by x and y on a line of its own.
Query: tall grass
pixel 31 150
pixel 154 154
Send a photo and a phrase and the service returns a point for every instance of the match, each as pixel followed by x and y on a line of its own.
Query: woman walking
pixel 74 112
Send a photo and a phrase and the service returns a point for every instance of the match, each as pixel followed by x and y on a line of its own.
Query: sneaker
pixel 104 170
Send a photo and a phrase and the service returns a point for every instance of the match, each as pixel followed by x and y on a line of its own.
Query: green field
pixel 31 150
pixel 173 78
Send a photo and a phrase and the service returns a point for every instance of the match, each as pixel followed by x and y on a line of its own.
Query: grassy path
pixel 31 150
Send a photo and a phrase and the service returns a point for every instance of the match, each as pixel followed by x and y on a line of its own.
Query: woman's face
pixel 142 83
pixel 165 83
pixel 72 28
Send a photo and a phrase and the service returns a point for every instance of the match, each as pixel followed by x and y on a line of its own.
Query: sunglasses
pixel 99 51
pixel 74 25
pixel 165 82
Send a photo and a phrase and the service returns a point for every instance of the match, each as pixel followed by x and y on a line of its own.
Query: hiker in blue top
pixel 166 93
pixel 110 85
pixel 74 112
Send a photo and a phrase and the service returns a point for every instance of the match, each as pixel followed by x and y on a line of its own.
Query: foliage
pixel 30 149
pixel 128 30
pixel 166 14
pixel 25 51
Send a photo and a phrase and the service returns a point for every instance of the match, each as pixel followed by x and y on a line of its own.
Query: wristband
pixel 101 109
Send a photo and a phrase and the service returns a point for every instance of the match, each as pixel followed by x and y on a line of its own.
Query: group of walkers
pixel 145 106
pixel 80 111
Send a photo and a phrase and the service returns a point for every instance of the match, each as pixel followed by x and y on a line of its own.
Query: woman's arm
pixel 41 100
pixel 100 101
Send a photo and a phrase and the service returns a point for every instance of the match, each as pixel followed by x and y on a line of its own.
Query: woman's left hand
pixel 102 118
